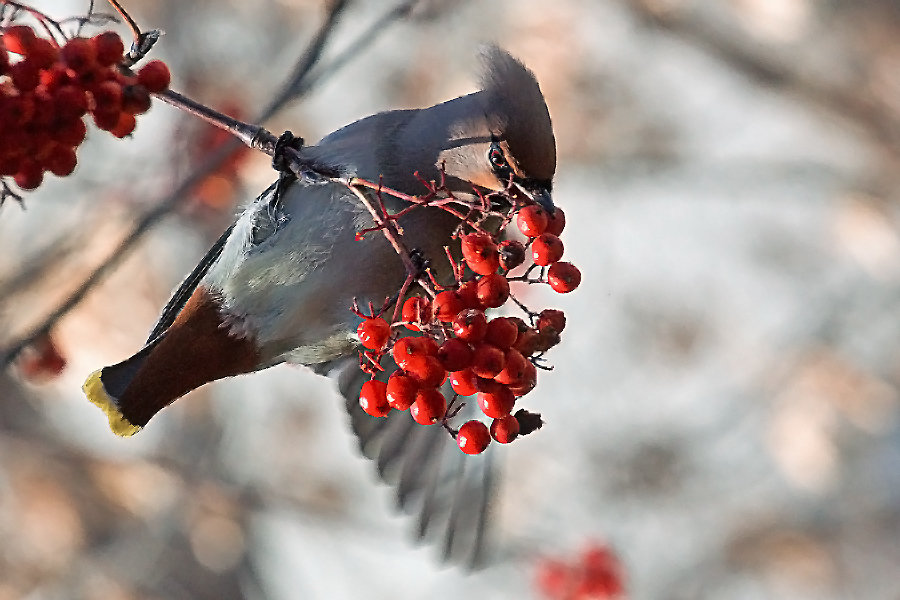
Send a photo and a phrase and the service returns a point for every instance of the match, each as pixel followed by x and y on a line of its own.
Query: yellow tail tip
pixel 96 393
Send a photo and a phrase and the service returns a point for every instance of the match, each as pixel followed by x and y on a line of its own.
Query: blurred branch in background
pixel 861 103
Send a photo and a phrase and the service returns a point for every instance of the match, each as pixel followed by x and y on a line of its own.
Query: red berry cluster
pixel 491 358
pixel 595 575
pixel 47 90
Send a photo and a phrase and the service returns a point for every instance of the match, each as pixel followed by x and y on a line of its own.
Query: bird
pixel 278 285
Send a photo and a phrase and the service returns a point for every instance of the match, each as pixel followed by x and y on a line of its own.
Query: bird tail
pixel 106 388
pixel 196 349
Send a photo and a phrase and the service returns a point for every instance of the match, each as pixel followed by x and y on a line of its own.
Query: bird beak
pixel 540 195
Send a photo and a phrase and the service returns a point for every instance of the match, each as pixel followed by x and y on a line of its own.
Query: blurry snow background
pixel 724 407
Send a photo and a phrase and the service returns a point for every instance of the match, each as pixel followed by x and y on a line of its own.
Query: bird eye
pixel 498 161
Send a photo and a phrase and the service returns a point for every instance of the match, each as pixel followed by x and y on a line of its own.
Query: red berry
pixel 429 407
pixel 30 175
pixel 108 47
pixel 532 220
pixel 70 132
pixel 401 390
pixel 25 75
pixel 409 348
pixel 4 60
pixel 79 55
pixel 135 99
pixel 43 53
pixel 55 76
pixel 546 249
pixel 107 97
pixel 529 380
pixel 550 317
pixel 480 253
pixel 502 332
pixel 61 160
pixel 71 102
pixel 106 121
pixel 416 310
pixel 512 254
pixel 556 222
pixel 468 291
pixel 563 277
pixel 498 404
pixel 493 290
pixel 374 333
pixel 470 325
pixel 546 339
pixel 463 382
pixel 447 305
pixel 527 342
pixel 473 437
pixel 505 430
pixel 514 368
pixel 125 126
pixel 487 361
pixel 18 39
pixel 455 354
pixel 154 76
pixel 373 398
pixel 427 370
pixel 9 165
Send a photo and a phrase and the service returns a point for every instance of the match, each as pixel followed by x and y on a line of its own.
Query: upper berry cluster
pixel 47 89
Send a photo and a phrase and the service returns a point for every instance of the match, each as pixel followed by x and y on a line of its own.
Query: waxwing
pixel 279 283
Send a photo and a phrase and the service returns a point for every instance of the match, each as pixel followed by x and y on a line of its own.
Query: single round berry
pixel 30 175
pixel 18 39
pixel 43 53
pixel 447 305
pixel 401 390
pixel 556 222
pixel 106 121
pixel 487 361
pixel 71 102
pixel 468 291
pixel 108 47
pixel 107 97
pixel 154 76
pixel 125 126
pixel 505 430
pixel 550 317
pixel 563 277
pixel 455 354
pixel 60 160
pixel 25 75
pixel 532 220
pixel 529 380
pixel 79 55
pixel 514 370
pixel 502 332
pixel 427 370
pixel 473 437
pixel 498 404
pixel 512 254
pixel 409 349
pixel 373 398
pixel 480 253
pixel 374 333
pixel 470 325
pixel 463 382
pixel 546 249
pixel 429 407
pixel 416 310
pixel 69 132
pixel 493 290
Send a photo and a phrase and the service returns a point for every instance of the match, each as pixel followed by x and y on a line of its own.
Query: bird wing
pixel 449 491
pixel 180 296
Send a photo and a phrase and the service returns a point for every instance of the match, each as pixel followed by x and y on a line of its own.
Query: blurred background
pixel 723 411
